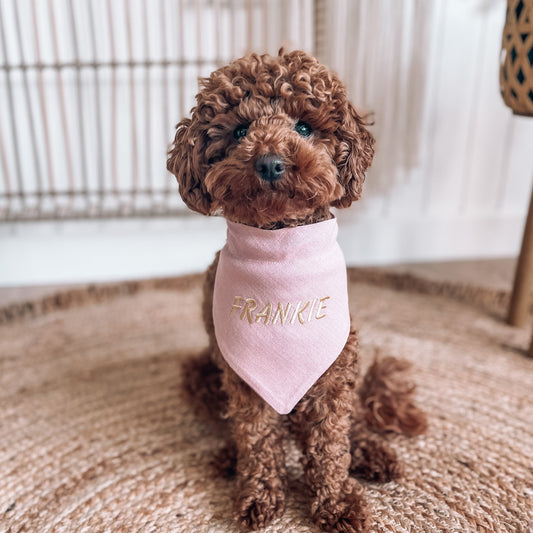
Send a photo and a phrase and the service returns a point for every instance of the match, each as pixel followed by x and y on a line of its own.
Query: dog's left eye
pixel 240 132
pixel 303 129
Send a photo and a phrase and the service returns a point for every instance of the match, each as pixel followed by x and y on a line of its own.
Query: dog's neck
pixel 318 216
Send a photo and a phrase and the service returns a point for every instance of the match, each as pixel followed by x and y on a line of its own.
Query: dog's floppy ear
pixel 354 154
pixel 186 160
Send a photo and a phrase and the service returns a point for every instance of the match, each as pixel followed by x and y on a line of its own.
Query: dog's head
pixel 271 139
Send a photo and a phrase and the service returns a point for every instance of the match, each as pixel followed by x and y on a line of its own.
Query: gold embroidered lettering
pixel 264 313
pixel 321 307
pixel 304 311
pixel 236 305
pixel 281 313
pixel 300 317
pixel 296 310
pixel 250 305
pixel 311 310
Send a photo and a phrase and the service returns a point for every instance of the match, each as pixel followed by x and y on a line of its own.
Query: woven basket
pixel 516 67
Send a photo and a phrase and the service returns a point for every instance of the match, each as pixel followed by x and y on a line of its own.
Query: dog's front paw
pixel 257 507
pixel 346 514
pixel 375 461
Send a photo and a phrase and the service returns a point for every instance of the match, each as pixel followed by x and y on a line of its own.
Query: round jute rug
pixel 95 435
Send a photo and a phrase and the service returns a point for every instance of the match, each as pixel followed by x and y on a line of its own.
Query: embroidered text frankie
pixel 301 312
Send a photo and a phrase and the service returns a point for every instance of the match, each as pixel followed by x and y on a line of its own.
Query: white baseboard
pixel 107 250
pixel 379 241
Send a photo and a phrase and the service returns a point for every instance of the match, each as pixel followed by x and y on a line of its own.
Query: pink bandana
pixel 280 307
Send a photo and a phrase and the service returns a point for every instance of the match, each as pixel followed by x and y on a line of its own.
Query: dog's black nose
pixel 270 167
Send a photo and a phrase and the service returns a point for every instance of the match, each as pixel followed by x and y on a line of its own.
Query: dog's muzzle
pixel 270 167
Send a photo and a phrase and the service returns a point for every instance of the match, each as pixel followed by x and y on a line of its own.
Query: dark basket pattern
pixel 516 67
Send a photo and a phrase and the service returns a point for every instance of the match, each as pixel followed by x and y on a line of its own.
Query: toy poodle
pixel 272 144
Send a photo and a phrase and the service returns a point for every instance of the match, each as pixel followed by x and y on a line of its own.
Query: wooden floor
pixel 494 273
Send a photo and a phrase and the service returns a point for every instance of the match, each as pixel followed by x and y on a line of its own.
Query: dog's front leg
pixel 258 433
pixel 338 500
pixel 322 422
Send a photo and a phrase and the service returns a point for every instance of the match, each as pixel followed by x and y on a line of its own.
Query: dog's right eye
pixel 240 132
pixel 303 129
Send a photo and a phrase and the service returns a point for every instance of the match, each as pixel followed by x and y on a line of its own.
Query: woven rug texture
pixel 95 434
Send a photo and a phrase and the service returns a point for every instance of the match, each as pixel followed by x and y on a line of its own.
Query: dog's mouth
pixel 269 188
pixel 284 187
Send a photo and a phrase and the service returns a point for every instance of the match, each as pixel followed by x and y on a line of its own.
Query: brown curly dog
pixel 273 143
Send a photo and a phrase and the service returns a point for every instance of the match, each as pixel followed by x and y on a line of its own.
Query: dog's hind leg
pixel 373 459
pixel 202 386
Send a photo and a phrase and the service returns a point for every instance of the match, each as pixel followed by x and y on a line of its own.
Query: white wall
pixel 464 195
pixel 80 251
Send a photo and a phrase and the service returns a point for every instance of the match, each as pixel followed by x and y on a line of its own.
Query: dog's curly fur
pixel 216 173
